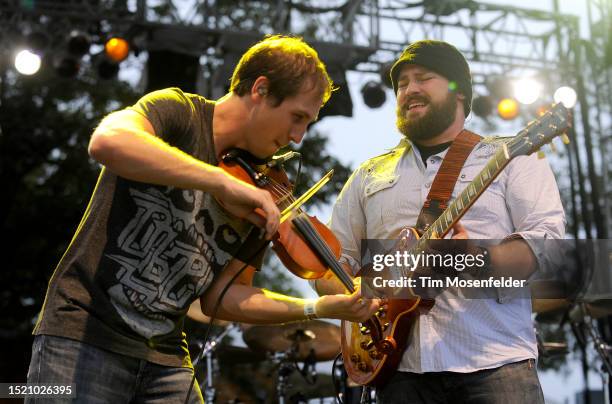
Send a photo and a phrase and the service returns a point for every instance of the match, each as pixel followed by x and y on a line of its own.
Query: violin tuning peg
pixel 565 138
pixel 541 154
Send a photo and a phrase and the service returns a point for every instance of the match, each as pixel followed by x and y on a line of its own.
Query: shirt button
pixel 390 181
pixel 462 175
pixel 427 185
pixel 432 161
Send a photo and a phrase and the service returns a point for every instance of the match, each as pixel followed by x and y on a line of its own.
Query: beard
pixel 436 120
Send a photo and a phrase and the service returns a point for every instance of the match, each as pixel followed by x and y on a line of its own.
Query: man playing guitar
pixel 461 350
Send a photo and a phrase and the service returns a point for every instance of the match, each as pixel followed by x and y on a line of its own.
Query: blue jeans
pixel 512 383
pixel 100 376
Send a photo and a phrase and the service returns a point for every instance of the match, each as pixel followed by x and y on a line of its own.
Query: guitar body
pixel 371 354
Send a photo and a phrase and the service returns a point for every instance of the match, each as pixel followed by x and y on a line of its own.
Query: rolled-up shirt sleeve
pixel 534 203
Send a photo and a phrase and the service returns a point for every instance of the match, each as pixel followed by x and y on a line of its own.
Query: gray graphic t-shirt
pixel 143 252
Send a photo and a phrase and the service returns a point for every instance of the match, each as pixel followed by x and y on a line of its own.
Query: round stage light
pixel 482 106
pixel 508 109
pixel 527 91
pixel 373 94
pixel 27 62
pixel 117 49
pixel 565 95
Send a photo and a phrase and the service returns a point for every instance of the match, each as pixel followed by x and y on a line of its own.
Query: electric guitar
pixel 371 351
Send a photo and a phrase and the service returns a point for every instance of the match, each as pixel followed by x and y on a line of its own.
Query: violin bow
pixel 286 213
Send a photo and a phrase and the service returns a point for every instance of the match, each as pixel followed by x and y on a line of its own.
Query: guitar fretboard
pixel 465 199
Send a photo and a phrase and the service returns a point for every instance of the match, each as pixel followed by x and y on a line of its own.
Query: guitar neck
pixel 466 198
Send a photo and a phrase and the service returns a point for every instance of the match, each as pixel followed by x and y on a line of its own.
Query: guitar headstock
pixel 541 131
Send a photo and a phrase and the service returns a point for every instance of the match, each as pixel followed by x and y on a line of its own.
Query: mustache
pixel 413 99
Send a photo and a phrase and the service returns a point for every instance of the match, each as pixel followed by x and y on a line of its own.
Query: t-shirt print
pixel 166 255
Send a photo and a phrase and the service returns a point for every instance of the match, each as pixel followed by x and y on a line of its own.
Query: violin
pixel 300 232
pixel 306 246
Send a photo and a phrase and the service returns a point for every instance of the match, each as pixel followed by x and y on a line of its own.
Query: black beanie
pixel 442 58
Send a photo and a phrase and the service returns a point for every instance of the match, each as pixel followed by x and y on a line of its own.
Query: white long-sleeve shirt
pixel 386 194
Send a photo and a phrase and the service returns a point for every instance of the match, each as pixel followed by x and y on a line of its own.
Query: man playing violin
pixel 460 350
pixel 166 226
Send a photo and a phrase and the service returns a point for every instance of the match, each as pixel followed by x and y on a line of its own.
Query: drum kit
pixel 290 352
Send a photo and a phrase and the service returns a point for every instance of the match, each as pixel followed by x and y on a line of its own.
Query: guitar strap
pixel 444 182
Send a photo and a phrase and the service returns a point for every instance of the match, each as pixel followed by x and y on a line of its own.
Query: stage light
pixel 527 91
pixel 78 43
pixel 565 95
pixel 508 109
pixel 482 106
pixel 373 94
pixel 117 49
pixel 27 62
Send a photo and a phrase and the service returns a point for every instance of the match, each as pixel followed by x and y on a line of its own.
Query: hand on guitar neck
pixel 513 257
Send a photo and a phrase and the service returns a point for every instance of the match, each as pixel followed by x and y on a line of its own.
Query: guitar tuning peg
pixel 565 138
pixel 541 154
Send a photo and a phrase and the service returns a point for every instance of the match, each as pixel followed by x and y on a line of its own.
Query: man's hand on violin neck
pixel 248 202
pixel 351 307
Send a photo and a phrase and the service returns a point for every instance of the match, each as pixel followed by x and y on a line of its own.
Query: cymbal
pixel 320 336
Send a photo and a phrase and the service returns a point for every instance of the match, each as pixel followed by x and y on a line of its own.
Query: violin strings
pixel 284 196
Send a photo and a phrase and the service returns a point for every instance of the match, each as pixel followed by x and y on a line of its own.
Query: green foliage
pixel 46 177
